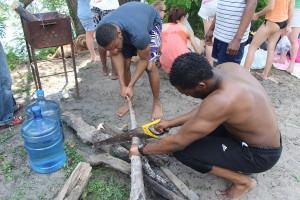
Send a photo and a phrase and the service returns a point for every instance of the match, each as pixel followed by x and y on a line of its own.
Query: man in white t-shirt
pixel 230 29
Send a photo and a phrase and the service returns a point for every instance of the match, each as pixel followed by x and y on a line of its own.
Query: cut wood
pixel 83 130
pixel 75 184
pixel 191 195
pixel 124 167
pixel 137 190
pixel 89 134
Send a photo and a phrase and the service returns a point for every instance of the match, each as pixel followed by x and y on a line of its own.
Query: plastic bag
pixel 260 58
pixel 283 46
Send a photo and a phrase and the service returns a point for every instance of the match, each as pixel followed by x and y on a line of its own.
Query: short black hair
pixel 189 69
pixel 105 34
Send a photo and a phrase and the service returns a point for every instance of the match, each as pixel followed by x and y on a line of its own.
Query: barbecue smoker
pixel 48 30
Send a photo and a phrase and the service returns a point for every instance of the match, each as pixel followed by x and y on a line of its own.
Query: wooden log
pixel 124 167
pixel 109 160
pixel 137 191
pixel 90 135
pixel 24 14
pixel 190 194
pixel 75 184
pixel 83 130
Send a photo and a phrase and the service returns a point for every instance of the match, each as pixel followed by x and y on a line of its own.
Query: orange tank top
pixel 174 43
pixel 280 11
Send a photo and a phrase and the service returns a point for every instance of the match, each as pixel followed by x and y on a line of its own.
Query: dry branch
pixel 75 184
pixel 191 195
pixel 124 167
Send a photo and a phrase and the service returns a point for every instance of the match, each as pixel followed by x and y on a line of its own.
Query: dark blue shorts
pixel 219 53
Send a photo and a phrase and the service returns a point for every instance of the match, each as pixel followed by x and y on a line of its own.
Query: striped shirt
pixel 228 19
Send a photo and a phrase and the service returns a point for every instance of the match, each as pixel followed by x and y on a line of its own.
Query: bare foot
pixel 113 76
pixel 123 110
pixel 157 112
pixel 238 191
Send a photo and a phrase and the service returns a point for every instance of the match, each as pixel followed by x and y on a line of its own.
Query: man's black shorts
pixel 221 150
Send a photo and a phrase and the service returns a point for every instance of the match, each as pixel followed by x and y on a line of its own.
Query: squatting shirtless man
pixel 233 132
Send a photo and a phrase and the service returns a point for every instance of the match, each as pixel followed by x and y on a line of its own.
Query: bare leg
pixel 114 74
pixel 295 46
pixel 208 49
pixel 271 48
pixel 153 76
pixel 261 35
pixel 127 77
pixel 241 184
pixel 89 35
pixel 102 53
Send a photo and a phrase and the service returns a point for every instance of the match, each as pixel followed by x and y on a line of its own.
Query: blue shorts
pixel 219 53
pixel 88 24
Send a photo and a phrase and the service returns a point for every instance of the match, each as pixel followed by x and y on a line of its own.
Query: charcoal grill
pixel 50 30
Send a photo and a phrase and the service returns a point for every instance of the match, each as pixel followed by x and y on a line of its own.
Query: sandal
pixel 16 120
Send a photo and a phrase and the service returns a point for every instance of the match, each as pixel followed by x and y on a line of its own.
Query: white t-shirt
pixel 105 4
pixel 228 19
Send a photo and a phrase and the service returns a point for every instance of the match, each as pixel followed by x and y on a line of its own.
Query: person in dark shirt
pixel 133 29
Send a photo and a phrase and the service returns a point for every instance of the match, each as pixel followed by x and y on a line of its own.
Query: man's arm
pixel 247 16
pixel 118 61
pixel 210 115
pixel 141 65
pixel 210 33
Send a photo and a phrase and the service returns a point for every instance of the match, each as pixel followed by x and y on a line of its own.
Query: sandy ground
pixel 98 102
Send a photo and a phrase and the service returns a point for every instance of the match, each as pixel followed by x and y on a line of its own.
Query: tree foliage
pixel 3 18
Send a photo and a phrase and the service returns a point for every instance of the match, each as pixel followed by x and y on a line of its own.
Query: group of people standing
pixel 234 131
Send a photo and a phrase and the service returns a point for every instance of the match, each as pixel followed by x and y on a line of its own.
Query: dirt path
pixel 99 101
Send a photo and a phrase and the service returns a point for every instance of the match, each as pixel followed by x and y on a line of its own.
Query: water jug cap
pixel 36 110
pixel 39 92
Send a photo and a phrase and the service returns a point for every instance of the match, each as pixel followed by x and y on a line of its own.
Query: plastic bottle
pixel 43 141
pixel 49 108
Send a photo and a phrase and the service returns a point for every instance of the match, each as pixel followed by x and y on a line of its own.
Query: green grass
pixel 21 90
pixel 73 158
pixel 6 169
pixel 106 184
pixel 43 53
pixel 6 135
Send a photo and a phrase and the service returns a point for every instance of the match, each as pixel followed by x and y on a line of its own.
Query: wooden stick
pixel 137 191
pixel 124 167
pixel 75 184
pixel 89 134
pixel 191 195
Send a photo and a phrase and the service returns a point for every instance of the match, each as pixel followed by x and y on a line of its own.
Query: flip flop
pixel 16 120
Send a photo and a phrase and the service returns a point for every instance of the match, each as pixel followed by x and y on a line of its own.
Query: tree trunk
pixel 26 2
pixel 72 6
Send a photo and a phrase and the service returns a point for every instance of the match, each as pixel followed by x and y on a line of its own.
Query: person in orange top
pixel 278 14
pixel 175 37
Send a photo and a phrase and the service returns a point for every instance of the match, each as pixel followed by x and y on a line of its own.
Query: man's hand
pixel 288 30
pixel 123 90
pixel 162 126
pixel 233 47
pixel 134 150
pixel 208 37
pixel 255 17
pixel 129 92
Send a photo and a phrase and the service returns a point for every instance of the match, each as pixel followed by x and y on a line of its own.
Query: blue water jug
pixel 43 141
pixel 49 108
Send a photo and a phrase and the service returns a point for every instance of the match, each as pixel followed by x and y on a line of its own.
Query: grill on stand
pixel 49 30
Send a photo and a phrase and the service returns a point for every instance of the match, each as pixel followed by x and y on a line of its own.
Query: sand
pixel 99 102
